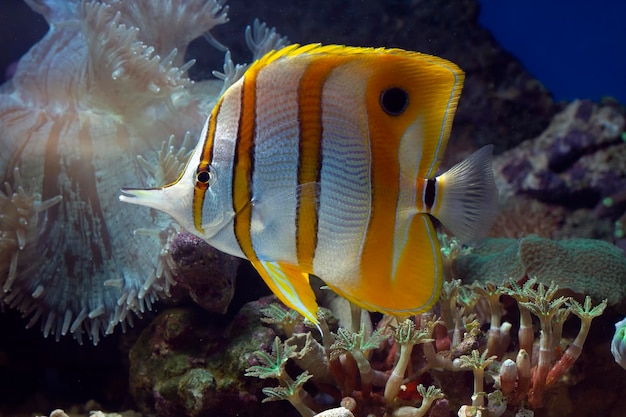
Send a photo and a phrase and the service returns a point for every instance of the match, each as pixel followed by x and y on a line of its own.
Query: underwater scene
pixel 366 208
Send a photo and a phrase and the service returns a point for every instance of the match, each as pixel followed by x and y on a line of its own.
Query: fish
pixel 322 160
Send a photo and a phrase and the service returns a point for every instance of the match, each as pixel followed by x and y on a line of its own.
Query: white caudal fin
pixel 467 198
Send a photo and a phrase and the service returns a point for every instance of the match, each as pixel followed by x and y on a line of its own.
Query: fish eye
pixel 394 101
pixel 204 178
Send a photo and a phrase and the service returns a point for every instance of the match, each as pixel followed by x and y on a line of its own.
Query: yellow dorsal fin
pixel 290 285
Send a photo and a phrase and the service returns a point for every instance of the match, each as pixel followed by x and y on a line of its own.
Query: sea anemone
pixel 108 83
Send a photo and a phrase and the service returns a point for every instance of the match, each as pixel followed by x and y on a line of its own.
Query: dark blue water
pixel 576 48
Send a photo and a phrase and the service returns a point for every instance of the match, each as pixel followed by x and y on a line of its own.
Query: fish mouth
pixel 149 197
pixel 163 200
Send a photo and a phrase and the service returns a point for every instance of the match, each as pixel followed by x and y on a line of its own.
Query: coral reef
pixel 182 365
pixel 582 266
pixel 108 83
pixel 373 372
pixel 417 367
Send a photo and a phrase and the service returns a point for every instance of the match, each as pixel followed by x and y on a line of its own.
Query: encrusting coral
pixel 581 266
pixel 106 85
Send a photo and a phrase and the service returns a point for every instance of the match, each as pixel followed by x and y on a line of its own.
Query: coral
pixel 103 101
pixel 180 365
pixel 585 313
pixel 406 335
pixel 22 217
pixel 521 216
pixel 357 345
pixel 286 320
pixel 477 362
pixel 582 266
pixel 186 364
pixel 428 397
pixel 618 344
pixel 543 305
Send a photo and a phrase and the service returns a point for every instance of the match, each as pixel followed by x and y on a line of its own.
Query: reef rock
pixel 183 365
pixel 206 273
pixel 501 103
pixel 577 161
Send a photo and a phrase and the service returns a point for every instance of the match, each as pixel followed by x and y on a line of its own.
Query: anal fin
pixel 404 282
pixel 290 285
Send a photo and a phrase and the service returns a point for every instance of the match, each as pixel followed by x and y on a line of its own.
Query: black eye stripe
pixel 394 101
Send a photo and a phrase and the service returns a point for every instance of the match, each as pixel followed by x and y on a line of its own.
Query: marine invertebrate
pixel 618 343
pixel 272 365
pixel 428 397
pixel 358 344
pixel 406 335
pixel 586 313
pixel 583 266
pixel 108 82
pixel 477 362
pixel 508 386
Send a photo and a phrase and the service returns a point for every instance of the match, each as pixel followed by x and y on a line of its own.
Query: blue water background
pixel 576 48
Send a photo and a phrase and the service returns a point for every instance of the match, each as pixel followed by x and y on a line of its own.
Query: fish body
pixel 322 160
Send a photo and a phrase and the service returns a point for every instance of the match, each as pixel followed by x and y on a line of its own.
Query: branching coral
pixel 272 365
pixel 357 345
pixel 586 313
pixel 407 336
pixel 516 382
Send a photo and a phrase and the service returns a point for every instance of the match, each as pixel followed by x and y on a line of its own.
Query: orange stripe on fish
pixel 202 172
pixel 243 165
pixel 310 157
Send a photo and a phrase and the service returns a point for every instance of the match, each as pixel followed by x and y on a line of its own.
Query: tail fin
pixel 467 197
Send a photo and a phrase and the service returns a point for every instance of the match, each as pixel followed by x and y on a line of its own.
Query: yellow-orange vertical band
pixel 378 248
pixel 243 164
pixel 310 158
pixel 205 160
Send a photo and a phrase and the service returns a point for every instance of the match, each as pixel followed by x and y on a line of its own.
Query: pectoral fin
pixel 290 285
